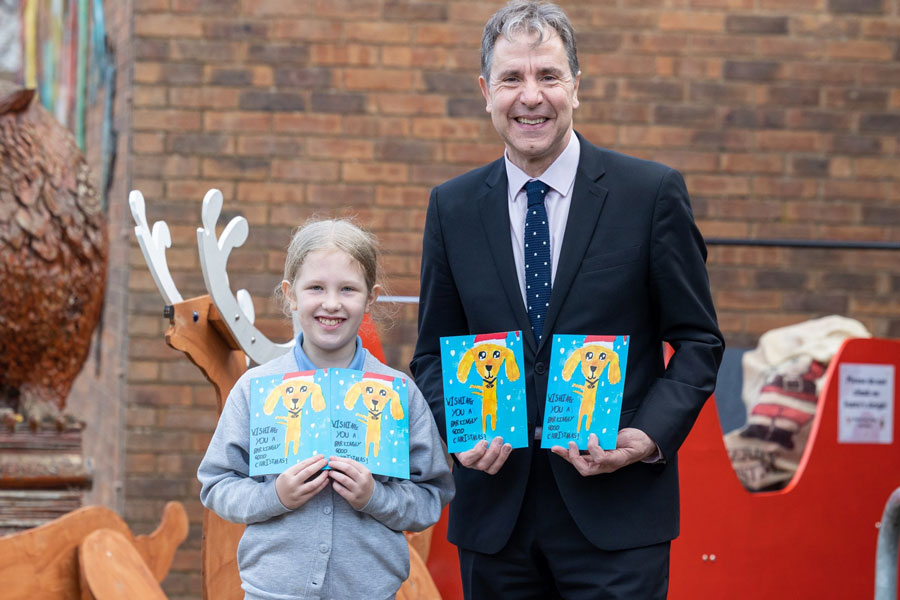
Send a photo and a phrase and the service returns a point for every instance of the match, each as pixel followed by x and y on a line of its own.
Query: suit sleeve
pixel 440 314
pixel 680 295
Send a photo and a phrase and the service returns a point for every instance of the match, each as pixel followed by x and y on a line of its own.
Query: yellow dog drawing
pixel 488 354
pixel 376 392
pixel 294 391
pixel 595 355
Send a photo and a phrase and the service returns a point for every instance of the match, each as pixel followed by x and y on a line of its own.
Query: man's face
pixel 531 96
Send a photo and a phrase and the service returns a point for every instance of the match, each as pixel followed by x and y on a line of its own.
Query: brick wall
pixel 784 116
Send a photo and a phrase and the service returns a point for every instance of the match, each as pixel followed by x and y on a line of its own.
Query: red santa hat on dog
pixel 305 376
pixel 369 376
pixel 498 339
pixel 599 340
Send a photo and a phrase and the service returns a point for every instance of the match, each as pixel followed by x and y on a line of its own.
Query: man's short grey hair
pixel 522 16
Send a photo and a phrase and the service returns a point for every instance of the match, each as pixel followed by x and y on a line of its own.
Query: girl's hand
pixel 352 481
pixel 294 486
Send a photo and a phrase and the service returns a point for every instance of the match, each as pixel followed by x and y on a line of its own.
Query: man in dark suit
pixel 620 255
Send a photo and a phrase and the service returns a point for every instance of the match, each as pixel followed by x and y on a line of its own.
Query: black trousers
pixel 547 557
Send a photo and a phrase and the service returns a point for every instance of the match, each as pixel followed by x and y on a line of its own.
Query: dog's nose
pixel 374 403
pixel 593 368
pixel 488 367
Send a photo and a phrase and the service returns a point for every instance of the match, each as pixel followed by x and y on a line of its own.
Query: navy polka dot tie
pixel 537 256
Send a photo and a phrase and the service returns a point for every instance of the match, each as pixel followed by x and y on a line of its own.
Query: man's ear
pixel 575 90
pixel 286 292
pixel 485 92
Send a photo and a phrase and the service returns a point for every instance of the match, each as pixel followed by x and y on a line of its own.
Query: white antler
pixel 153 246
pixel 237 311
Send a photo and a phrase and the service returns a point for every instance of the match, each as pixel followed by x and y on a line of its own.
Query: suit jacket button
pixel 540 368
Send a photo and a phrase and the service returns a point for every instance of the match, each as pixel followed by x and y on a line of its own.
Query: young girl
pixel 314 533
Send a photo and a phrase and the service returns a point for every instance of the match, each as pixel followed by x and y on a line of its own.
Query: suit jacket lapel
pixel 494 207
pixel 588 197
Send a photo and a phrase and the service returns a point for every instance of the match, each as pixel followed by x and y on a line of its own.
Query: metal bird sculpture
pixel 53 248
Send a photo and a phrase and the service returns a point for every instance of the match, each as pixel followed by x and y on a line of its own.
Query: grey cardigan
pixel 325 548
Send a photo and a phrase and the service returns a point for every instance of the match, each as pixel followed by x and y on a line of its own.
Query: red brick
pixel 314 29
pixel 344 149
pixel 442 128
pixel 344 54
pixel 788 141
pixel 269 145
pixel 375 172
pixel 277 8
pixel 413 104
pixel 752 163
pixel 304 170
pixel 861 50
pixel 307 123
pixel 237 121
pixel 376 126
pixel 378 79
pixel 447 35
pixel 379 31
pixel 691 21
pixel 168 25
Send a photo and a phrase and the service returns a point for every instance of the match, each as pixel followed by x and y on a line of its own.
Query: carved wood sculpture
pixel 43 562
pixel 53 249
pixel 219 347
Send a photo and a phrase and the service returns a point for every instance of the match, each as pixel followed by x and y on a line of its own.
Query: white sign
pixel 866 409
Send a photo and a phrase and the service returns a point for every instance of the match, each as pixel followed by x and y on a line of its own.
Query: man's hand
pixel 294 486
pixel 632 445
pixel 486 458
pixel 352 481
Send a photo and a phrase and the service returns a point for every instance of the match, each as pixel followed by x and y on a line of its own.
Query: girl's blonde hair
pixel 326 234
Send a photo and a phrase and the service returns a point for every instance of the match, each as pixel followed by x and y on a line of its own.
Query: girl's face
pixel 330 297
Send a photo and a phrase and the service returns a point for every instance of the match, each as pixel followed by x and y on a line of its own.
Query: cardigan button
pixel 540 368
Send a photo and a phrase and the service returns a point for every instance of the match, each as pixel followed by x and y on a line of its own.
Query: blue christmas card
pixel 484 390
pixel 585 389
pixel 332 412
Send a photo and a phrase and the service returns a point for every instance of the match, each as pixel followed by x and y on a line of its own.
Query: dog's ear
pixel 272 399
pixel 571 363
pixel 353 394
pixel 613 372
pixel 509 361
pixel 396 407
pixel 318 400
pixel 465 365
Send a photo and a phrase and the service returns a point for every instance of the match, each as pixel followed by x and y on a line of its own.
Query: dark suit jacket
pixel 632 262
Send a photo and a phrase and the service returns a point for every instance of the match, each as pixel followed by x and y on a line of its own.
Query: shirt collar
pixel 305 364
pixel 559 176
